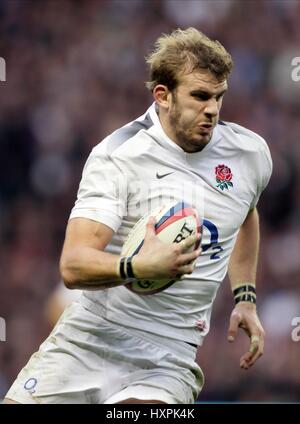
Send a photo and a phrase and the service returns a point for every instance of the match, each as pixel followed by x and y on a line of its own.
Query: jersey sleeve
pixel 264 171
pixel 102 194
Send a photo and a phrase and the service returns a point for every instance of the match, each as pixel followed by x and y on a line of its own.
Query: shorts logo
pixel 30 385
pixel 223 177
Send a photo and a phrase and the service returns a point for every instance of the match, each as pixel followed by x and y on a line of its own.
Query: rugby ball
pixel 174 223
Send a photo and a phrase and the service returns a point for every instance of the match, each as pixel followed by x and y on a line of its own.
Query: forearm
pixel 243 261
pixel 90 269
pixel 85 265
pixel 242 275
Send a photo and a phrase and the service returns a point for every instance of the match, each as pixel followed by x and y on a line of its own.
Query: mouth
pixel 205 127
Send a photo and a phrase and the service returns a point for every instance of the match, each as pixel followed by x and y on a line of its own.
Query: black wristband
pixel 245 293
pixel 246 297
pixel 244 288
pixel 122 268
pixel 129 269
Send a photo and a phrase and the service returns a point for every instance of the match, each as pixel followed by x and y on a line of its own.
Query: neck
pixel 165 123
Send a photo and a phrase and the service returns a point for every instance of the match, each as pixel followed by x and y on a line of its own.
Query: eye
pixel 201 96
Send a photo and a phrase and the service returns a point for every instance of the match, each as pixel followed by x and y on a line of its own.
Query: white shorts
pixel 87 359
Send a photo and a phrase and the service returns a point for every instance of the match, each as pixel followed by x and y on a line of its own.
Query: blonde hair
pixel 184 51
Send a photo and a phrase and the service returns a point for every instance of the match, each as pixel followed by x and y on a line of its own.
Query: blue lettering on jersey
pixel 214 240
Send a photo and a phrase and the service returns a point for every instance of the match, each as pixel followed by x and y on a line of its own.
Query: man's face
pixel 194 110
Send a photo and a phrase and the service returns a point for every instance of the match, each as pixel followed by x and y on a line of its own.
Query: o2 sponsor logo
pixel 214 240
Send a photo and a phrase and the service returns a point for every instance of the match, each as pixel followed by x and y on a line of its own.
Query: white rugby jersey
pixel 137 168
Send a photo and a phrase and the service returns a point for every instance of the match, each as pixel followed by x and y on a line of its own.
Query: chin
pixel 193 146
pixel 202 140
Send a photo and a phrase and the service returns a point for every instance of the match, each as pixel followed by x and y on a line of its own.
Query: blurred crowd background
pixel 75 72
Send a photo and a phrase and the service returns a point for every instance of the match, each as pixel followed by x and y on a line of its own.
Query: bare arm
pixel 242 269
pixel 243 261
pixel 84 264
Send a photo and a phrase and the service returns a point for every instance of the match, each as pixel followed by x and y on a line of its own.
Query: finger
pixel 234 323
pixel 256 349
pixel 188 258
pixel 254 345
pixel 246 329
pixel 259 351
pixel 189 242
pixel 150 227
pixel 257 355
pixel 186 269
pixel 249 359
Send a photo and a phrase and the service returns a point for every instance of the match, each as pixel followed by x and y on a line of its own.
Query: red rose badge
pixel 223 177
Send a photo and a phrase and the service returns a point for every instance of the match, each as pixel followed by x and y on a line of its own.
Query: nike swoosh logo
pixel 163 175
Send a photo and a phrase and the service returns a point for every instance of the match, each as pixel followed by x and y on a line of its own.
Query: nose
pixel 211 108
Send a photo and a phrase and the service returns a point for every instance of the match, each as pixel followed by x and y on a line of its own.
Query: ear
pixel 162 96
